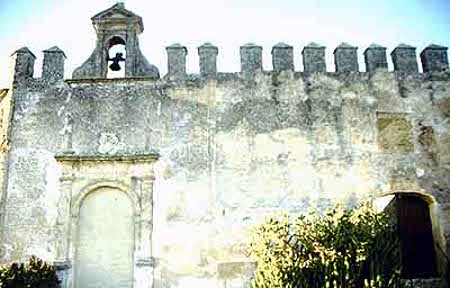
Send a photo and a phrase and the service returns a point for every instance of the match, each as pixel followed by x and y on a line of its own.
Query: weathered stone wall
pixel 234 148
pixel 5 109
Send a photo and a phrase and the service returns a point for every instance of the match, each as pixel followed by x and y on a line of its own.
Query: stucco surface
pixel 233 149
pixel 104 254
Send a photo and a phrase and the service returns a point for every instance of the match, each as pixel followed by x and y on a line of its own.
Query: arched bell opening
pixel 116 55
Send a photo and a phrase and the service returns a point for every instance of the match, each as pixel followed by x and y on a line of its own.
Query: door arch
pixel 104 254
pixel 418 236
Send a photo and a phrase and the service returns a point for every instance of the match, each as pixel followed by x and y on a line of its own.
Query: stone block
pixel 53 67
pixel 346 58
pixel 375 58
pixel 283 57
pixel 208 59
pixel 176 56
pixel 251 58
pixel 314 58
pixel 394 133
pixel 434 59
pixel 404 58
pixel 23 63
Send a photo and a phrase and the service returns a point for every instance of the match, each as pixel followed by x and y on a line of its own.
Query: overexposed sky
pixel 41 24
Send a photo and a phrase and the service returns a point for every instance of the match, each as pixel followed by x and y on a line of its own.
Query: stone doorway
pixel 105 240
pixel 105 215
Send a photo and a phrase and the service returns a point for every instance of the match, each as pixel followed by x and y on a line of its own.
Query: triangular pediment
pixel 116 11
pixel 117 15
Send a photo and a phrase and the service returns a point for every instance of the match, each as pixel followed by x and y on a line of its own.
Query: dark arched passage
pixel 415 230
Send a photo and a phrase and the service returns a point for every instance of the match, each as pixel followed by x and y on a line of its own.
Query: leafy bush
pixel 342 248
pixel 35 273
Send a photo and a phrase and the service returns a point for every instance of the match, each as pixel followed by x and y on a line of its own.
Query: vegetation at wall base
pixel 342 248
pixel 35 274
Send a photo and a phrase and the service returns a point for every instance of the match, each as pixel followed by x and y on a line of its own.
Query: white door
pixel 105 241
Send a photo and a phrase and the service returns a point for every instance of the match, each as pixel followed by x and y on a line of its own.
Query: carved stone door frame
pixel 82 174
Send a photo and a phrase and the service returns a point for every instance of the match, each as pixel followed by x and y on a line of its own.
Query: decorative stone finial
pixel 283 57
pixel 121 4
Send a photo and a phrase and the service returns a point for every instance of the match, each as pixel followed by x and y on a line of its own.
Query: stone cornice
pixel 109 80
pixel 133 158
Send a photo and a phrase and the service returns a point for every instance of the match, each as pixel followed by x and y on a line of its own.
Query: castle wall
pixel 5 114
pixel 233 149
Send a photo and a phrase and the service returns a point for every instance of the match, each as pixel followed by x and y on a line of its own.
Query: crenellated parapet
pixel 314 58
pixel 404 59
pixel 176 60
pixel 207 54
pixel 346 58
pixel 119 26
pixel 283 57
pixel 375 58
pixel 251 58
pixel 23 65
pixel 433 58
pixel 53 67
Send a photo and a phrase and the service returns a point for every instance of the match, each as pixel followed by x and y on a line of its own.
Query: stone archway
pixel 422 241
pixel 105 240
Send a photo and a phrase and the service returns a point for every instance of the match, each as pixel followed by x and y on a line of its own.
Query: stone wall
pixel 234 148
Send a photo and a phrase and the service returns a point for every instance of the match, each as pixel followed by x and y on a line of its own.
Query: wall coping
pixel 143 157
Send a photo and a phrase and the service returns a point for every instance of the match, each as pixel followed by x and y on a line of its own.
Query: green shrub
pixel 342 248
pixel 35 273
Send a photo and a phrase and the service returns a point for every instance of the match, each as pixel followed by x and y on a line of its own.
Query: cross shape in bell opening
pixel 115 65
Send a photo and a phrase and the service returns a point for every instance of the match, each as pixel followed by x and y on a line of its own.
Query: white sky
pixel 41 24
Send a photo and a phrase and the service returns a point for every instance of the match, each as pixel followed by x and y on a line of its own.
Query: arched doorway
pixel 416 236
pixel 415 231
pixel 105 240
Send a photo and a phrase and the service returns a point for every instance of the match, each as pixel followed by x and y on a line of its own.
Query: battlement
pixel 433 58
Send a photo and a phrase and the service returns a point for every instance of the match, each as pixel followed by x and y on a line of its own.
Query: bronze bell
pixel 115 65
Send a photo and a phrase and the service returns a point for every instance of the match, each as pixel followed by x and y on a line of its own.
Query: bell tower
pixel 113 26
